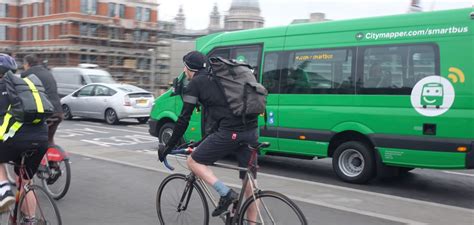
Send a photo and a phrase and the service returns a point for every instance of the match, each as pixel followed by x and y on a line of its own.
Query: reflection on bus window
pixel 395 69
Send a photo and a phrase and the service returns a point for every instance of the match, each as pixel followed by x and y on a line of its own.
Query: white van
pixel 70 79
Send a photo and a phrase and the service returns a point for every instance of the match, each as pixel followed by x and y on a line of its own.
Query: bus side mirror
pixel 177 87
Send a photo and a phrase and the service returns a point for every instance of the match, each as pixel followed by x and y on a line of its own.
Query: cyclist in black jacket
pixel 28 137
pixel 227 133
pixel 32 65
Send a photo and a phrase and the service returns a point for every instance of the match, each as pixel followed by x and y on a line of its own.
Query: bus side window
pixel 271 73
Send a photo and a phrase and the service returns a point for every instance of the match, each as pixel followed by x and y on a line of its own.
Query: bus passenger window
pixel 271 73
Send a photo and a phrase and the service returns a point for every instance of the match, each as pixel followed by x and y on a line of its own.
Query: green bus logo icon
pixel 432 95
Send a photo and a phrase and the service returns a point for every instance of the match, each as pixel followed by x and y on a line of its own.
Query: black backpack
pixel 29 102
pixel 240 87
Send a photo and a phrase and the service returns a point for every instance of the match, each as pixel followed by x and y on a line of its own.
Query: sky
pixel 282 12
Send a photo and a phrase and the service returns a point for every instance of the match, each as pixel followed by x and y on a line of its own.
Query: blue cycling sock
pixel 221 188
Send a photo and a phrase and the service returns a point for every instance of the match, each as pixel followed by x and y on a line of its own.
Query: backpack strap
pixel 13 129
pixel 36 96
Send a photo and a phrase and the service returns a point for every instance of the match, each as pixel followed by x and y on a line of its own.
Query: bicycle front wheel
pixel 36 204
pixel 56 179
pixel 269 207
pixel 180 202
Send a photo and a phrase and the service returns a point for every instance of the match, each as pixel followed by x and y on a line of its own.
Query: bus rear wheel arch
pixel 354 162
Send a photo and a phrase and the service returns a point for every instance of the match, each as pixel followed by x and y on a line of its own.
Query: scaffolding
pixel 118 46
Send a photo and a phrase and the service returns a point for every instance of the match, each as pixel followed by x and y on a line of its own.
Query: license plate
pixel 142 101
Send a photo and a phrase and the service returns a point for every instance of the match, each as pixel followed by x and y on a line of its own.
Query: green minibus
pixel 358 91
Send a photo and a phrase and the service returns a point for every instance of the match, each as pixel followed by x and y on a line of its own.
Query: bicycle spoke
pixel 38 205
pixel 270 208
pixel 177 204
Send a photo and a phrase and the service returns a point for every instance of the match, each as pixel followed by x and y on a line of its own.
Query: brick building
pixel 119 35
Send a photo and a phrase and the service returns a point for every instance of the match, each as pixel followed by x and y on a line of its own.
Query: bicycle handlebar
pixel 180 151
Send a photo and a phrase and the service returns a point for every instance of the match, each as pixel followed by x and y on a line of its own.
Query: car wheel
pixel 111 117
pixel 67 112
pixel 165 132
pixel 354 162
pixel 143 120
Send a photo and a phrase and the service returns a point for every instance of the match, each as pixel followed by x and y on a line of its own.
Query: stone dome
pixel 238 4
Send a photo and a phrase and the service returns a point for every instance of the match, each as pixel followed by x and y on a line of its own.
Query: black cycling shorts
pixel 12 150
pixel 222 143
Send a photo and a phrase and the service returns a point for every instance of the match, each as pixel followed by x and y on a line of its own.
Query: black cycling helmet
pixel 7 63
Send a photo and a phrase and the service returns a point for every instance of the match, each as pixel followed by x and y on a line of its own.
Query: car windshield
pixel 101 79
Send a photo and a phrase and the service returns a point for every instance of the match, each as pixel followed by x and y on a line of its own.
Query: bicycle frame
pixel 22 171
pixel 232 216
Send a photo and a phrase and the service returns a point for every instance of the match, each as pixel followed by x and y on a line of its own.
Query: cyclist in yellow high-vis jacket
pixel 27 138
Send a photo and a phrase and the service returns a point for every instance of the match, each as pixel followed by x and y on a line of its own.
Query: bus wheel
pixel 354 162
pixel 165 132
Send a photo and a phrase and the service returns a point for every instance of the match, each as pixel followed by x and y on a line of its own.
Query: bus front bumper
pixel 470 157
pixel 153 127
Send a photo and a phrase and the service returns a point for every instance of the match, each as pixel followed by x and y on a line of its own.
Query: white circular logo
pixel 432 96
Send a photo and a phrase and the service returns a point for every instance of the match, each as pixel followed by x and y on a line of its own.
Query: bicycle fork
pixel 187 192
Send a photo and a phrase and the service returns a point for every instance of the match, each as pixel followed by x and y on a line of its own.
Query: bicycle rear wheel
pixel 178 202
pixel 270 207
pixel 57 178
pixel 43 206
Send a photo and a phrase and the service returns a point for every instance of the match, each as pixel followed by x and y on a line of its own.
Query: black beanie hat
pixel 194 61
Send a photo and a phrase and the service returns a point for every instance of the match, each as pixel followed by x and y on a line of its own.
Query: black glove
pixel 163 150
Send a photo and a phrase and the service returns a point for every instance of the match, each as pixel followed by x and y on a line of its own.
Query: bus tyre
pixel 165 132
pixel 354 162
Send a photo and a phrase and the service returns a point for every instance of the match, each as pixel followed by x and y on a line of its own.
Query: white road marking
pixel 138 127
pixel 457 173
pixel 117 129
pixel 126 140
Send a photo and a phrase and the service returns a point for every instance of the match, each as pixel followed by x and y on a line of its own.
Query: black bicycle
pixel 181 199
pixel 32 202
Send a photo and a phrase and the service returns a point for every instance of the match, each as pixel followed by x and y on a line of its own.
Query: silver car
pixel 111 102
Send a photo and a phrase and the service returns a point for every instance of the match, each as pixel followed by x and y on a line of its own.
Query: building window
pixel 93 28
pixel 145 36
pixel 111 9
pixel 122 11
pixel 136 35
pixel 24 33
pixel 93 6
pixel 3 10
pixel 83 29
pixel 24 11
pixel 146 15
pixel 114 33
pixel 138 14
pixel 89 6
pixel 46 32
pixel 35 9
pixel 62 6
pixel 3 33
pixel 35 33
pixel 47 7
